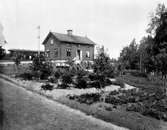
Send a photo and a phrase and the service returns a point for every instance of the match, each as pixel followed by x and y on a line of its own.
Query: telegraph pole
pixel 38 28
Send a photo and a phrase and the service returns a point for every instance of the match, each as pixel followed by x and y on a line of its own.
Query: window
pixel 87 54
pixel 68 52
pixel 51 41
pixel 47 53
pixel 56 52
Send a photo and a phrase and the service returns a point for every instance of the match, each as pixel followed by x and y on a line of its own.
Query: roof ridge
pixel 70 35
pixel 72 38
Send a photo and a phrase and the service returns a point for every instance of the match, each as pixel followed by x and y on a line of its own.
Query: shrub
pixel 138 74
pixel 86 98
pixel 52 79
pixel 93 76
pixel 66 80
pixel 57 74
pixel 46 70
pixel 102 64
pixel 41 68
pixel 17 60
pixel 81 82
pixel 118 82
pixel 26 76
pixel 108 82
pixel 94 84
pixel 47 87
pixel 63 86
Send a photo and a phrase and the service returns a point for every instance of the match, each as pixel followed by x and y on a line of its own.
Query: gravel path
pixel 23 110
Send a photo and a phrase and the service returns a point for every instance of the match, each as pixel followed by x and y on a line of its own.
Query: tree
pixel 129 57
pixel 156 19
pixel 41 68
pixel 2 52
pixel 146 54
pixel 158 26
pixel 102 63
pixel 17 61
pixel 102 67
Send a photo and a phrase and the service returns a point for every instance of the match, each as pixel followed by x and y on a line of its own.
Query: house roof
pixel 23 50
pixel 71 38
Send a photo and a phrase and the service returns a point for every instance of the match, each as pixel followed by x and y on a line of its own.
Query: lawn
pixel 12 69
pixel 114 103
pixel 104 111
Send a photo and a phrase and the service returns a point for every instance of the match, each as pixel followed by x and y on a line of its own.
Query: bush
pixel 86 98
pixel 81 83
pixel 47 87
pixel 17 60
pixel 46 70
pixel 118 82
pixel 57 74
pixel 63 86
pixel 94 84
pixel 26 76
pixel 66 80
pixel 93 76
pixel 108 82
pixel 54 78
pixel 41 68
pixel 138 73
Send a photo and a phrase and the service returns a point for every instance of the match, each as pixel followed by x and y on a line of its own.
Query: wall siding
pixel 62 46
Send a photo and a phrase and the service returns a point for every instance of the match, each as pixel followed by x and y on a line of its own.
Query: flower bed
pixel 153 104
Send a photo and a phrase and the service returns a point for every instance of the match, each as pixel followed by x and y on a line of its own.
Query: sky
pixel 112 23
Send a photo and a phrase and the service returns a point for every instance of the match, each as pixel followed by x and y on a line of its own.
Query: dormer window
pixel 51 41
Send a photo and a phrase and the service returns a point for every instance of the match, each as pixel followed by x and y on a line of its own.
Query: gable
pixel 69 39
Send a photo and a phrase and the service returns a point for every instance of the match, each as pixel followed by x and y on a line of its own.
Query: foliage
pixel 155 49
pixel 2 52
pixel 137 73
pixel 155 19
pixel 81 82
pixel 102 64
pixel 66 80
pixel 151 54
pixel 129 57
pixel 118 82
pixel 146 54
pixel 26 76
pixel 86 98
pixel 151 104
pixel 57 74
pixel 47 87
pixel 41 68
pixel 17 60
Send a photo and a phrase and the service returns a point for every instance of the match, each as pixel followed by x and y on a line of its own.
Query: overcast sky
pixel 112 23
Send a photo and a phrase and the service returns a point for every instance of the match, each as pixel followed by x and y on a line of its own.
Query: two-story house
pixel 68 47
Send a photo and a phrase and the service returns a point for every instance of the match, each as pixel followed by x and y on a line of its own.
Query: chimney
pixel 69 32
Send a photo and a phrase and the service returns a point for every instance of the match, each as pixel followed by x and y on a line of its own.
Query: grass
pixel 11 69
pixel 141 82
pixel 131 120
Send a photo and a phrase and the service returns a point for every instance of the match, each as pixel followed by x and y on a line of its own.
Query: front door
pixel 79 54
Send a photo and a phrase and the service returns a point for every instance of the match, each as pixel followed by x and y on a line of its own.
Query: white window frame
pixel 69 50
